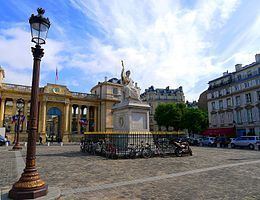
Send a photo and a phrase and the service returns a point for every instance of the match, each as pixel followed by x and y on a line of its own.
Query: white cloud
pixel 162 44
pixel 16 57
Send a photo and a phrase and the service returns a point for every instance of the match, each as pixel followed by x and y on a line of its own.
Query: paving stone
pixel 75 172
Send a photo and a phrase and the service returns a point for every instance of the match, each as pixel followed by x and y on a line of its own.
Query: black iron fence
pixel 130 145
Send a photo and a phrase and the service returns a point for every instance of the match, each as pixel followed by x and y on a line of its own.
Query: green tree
pixel 169 114
pixel 195 120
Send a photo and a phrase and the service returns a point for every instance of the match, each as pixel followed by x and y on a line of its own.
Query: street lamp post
pixel 30 185
pixel 19 105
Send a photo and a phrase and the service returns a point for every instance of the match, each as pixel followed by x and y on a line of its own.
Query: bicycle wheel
pixel 178 152
pixel 147 153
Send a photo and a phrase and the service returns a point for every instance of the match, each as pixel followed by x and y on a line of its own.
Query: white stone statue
pixel 130 91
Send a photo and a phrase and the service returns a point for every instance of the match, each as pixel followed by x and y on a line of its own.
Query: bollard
pixel 229 146
pixel 48 144
pixel 218 145
pixel 61 144
pixel 6 143
pixel 25 144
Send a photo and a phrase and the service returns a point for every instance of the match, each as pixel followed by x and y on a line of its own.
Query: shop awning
pixel 219 132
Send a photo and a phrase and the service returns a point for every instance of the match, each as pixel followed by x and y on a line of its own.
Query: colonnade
pixel 7 114
pixel 75 118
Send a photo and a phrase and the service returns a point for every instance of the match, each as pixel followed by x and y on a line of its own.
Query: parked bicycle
pixel 142 150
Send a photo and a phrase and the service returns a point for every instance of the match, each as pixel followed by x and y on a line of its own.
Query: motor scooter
pixel 182 148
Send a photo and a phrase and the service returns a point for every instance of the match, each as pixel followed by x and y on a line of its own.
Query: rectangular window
pixel 222 118
pixel 248 98
pixel 229 102
pixel 238 101
pixel 246 84
pixel 249 115
pixel 258 95
pixel 259 114
pixel 220 104
pixel 239 119
pixel 249 74
pixel 213 105
pixel 239 76
pixel 228 91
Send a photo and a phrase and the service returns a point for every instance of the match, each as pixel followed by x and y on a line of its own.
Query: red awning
pixel 219 132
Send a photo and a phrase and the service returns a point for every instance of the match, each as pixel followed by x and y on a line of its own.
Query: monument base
pixel 131 124
pixel 131 116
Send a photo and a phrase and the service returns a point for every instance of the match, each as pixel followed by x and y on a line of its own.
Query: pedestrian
pixel 40 139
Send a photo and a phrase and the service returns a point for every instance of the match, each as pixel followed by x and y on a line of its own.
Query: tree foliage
pixel 195 120
pixel 180 117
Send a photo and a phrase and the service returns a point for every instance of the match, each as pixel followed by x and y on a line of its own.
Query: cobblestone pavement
pixel 8 172
pixel 210 173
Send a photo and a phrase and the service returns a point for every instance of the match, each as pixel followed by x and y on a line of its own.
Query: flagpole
pixel 56 75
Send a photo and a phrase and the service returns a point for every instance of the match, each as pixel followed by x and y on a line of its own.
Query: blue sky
pixel 164 43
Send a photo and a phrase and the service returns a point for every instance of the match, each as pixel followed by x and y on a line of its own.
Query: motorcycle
pixel 182 148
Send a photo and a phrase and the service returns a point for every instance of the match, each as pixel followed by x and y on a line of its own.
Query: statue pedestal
pixel 131 117
pixel 131 122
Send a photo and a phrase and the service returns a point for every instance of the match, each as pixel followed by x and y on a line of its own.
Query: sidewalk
pixel 8 168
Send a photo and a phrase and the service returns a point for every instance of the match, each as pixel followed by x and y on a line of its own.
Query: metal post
pixel 30 184
pixel 17 145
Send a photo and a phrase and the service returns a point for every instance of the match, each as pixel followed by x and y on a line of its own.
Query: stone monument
pixel 130 114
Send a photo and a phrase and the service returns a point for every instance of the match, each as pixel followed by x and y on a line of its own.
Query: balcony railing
pixel 84 95
pixel 15 87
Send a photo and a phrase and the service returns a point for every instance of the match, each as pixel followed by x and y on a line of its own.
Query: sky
pixel 163 43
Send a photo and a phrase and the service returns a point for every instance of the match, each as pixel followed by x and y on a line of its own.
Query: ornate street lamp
pixel 19 105
pixel 30 185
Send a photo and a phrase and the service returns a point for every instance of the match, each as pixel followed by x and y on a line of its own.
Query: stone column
pixel 88 117
pixel 14 107
pixel 14 113
pixel 2 112
pixel 95 118
pixel 66 119
pixel 25 115
pixel 70 118
pixel 79 117
pixel 43 128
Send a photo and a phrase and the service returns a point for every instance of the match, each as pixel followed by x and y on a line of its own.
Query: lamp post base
pixel 34 193
pixel 29 186
pixel 17 147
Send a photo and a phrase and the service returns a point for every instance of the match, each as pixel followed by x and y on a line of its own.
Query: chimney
pixel 225 73
pixel 257 58
pixel 238 67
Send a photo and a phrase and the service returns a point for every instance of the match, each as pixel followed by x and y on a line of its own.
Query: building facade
pixel 154 97
pixel 109 93
pixel 234 100
pixel 62 113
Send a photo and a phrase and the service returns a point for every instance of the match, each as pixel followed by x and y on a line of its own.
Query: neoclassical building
pixel 62 113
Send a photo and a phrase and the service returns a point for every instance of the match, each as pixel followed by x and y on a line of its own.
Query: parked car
pixel 207 141
pixel 222 141
pixel 194 141
pixel 2 140
pixel 246 141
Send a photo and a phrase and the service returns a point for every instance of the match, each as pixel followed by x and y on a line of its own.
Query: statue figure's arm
pixel 123 72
